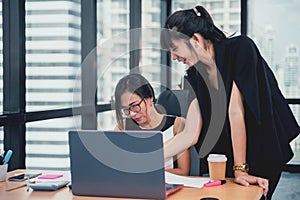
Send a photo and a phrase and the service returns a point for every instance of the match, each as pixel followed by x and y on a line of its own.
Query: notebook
pixel 118 164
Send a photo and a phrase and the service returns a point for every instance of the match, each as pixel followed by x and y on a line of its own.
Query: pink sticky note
pixel 50 176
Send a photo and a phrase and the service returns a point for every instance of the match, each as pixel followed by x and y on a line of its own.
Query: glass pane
pixel 1 61
pixel 295 144
pixel 226 16
pixel 53 55
pixel 47 144
pixel 279 45
pixel 107 120
pixel 112 45
pixel 112 52
pixel 1 138
pixel 150 66
pixel 1 76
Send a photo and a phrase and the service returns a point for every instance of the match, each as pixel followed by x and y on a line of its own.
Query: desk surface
pixel 228 191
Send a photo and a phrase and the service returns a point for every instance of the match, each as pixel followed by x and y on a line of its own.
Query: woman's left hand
pixel 245 179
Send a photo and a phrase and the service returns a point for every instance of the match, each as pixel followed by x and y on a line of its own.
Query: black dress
pixel 270 124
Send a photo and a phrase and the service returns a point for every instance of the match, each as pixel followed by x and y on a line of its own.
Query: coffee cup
pixel 217 166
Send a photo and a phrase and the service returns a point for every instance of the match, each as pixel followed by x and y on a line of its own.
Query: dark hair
pixel 133 83
pixel 183 24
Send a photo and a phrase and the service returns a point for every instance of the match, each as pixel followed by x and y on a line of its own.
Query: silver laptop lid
pixel 117 163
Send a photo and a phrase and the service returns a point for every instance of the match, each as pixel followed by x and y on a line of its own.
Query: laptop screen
pixel 117 164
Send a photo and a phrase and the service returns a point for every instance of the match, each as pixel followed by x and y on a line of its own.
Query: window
pixel 123 47
pixel 234 28
pixel 234 16
pixel 112 52
pixel 155 60
pixel 119 3
pixel 220 11
pixel 53 53
pixel 235 3
pixel 279 47
pixel 155 32
pixel 218 16
pixel 216 5
pixel 47 145
pixel 122 18
pixel 121 62
pixel 178 69
pixel 151 27
pixel 53 60
pixel 117 31
pixel 295 144
pixel 155 17
pixel 1 76
pixel 117 76
pixel 155 4
pixel 107 120
pixel 1 138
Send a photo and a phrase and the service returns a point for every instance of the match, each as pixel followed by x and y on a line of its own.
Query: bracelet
pixel 244 167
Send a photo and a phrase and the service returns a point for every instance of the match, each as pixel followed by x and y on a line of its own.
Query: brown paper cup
pixel 217 166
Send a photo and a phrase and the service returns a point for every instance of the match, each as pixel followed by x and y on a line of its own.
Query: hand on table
pixel 245 179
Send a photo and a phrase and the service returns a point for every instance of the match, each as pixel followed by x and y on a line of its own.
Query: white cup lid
pixel 216 158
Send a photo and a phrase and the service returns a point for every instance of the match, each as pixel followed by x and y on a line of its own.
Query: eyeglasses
pixel 133 108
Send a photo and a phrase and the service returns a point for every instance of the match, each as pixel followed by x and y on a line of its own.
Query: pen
pixel 7 156
pixel 15 187
pixel 214 183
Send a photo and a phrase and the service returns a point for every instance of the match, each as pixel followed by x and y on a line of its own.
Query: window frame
pixel 15 117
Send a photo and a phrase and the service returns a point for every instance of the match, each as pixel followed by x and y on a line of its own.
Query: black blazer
pixel 270 124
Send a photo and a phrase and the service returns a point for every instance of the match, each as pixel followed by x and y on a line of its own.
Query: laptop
pixel 118 164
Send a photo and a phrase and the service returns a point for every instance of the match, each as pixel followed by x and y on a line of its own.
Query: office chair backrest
pixel 175 102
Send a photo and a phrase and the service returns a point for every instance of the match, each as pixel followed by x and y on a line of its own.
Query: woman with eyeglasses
pixel 135 110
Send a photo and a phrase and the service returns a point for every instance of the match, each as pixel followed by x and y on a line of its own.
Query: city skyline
pixel 283 17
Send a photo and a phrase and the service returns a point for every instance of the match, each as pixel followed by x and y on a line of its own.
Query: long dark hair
pixel 133 83
pixel 183 24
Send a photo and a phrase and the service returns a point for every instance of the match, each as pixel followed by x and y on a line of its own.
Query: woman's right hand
pixel 245 179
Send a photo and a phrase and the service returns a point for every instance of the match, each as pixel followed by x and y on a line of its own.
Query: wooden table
pixel 228 191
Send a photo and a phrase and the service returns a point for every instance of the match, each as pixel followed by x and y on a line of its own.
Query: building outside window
pixel 150 48
pixel 220 10
pixel 53 60
pixel 280 47
pixel 112 53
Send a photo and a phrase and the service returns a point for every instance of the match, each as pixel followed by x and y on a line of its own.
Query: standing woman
pixel 134 97
pixel 258 123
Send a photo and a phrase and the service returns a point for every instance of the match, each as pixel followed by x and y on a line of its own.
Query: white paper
pixel 167 135
pixel 196 182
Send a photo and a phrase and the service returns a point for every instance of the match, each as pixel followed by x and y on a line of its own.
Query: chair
pixel 175 102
